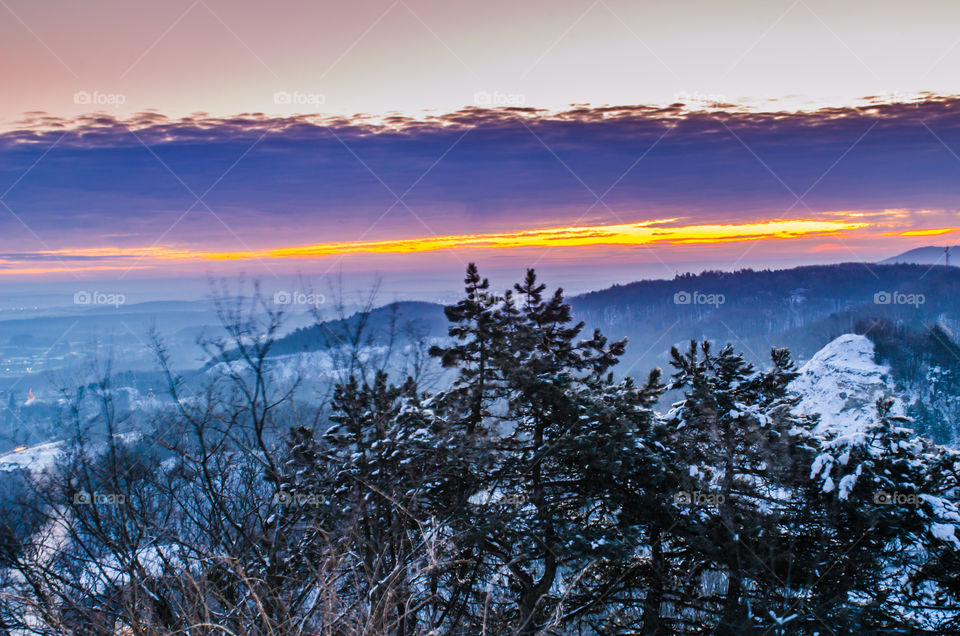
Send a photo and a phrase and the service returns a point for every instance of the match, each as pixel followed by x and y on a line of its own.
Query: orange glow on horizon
pixel 626 234
pixel 935 232
pixel 619 235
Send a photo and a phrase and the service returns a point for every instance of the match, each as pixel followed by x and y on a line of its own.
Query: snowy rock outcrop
pixel 842 383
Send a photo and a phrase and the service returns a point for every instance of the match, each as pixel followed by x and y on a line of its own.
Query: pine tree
pixel 740 454
pixel 365 489
pixel 555 428
pixel 893 504
pixel 478 339
pixel 620 473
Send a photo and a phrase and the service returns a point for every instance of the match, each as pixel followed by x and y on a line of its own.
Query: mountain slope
pixel 930 255
pixel 407 319
pixel 801 308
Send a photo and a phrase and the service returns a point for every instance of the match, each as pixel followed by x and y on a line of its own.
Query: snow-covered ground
pixel 35 459
pixel 41 457
pixel 842 383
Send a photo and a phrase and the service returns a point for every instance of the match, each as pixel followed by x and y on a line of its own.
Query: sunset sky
pixel 184 138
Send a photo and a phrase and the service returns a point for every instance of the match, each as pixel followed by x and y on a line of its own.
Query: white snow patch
pixel 35 459
pixel 945 532
pixel 841 383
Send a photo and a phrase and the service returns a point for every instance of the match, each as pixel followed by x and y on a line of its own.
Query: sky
pixel 604 140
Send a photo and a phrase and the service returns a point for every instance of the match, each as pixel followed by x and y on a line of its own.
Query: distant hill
pixel 930 255
pixel 802 308
pixel 405 318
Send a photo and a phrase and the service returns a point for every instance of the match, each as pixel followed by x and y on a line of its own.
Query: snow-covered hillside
pixel 43 457
pixel 842 383
pixel 36 458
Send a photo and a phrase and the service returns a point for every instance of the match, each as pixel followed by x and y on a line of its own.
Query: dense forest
pixel 538 493
pixel 803 307
pixel 925 363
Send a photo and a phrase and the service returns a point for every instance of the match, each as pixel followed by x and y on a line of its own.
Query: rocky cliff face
pixel 842 383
